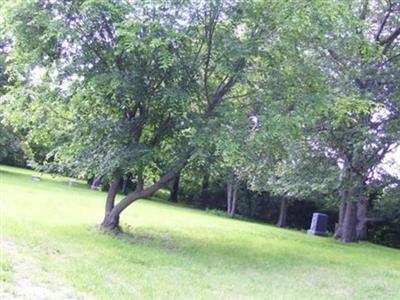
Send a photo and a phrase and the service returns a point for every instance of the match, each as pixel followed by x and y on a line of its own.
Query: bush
pixel 11 150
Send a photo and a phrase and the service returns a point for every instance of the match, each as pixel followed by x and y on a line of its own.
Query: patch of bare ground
pixel 30 281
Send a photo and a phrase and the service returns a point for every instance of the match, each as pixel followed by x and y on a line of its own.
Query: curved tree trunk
pixel 282 213
pixel 111 220
pixel 110 200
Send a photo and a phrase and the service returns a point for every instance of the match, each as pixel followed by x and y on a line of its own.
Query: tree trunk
pixel 343 181
pixel 282 213
pixel 349 233
pixel 125 183
pixel 111 220
pixel 339 225
pixel 361 227
pixel 228 197
pixel 204 191
pixel 140 181
pixel 175 190
pixel 233 202
pixel 110 200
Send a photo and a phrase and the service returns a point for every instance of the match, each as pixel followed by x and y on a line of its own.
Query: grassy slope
pixel 172 252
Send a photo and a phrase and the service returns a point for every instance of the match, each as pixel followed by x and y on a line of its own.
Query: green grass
pixel 171 252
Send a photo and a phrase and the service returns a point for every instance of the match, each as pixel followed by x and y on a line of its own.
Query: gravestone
pixel 36 178
pixel 96 185
pixel 318 224
pixel 71 182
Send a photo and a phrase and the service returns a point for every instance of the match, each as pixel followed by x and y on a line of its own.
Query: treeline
pixel 211 194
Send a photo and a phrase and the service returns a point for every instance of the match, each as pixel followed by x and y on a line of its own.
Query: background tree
pixel 361 60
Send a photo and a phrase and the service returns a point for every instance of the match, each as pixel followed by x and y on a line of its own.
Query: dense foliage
pixel 296 101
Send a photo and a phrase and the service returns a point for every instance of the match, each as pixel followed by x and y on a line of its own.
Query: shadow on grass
pixel 231 254
pixel 162 240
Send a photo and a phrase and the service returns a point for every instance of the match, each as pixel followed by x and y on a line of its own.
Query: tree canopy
pixel 147 88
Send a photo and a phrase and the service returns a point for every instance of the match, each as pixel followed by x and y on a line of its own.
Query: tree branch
pixel 389 41
pixel 385 18
pixel 59 115
pixel 389 60
pixel 162 181
pixel 224 88
pixel 364 10
pixel 209 33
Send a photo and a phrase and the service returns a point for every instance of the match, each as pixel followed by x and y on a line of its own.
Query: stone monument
pixel 318 224
pixel 96 185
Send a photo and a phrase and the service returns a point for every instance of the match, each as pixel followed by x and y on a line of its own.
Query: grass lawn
pixel 51 249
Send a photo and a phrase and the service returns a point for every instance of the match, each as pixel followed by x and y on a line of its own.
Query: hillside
pixel 51 248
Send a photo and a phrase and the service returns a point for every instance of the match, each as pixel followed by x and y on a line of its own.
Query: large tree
pixel 347 65
pixel 120 87
pixel 362 124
